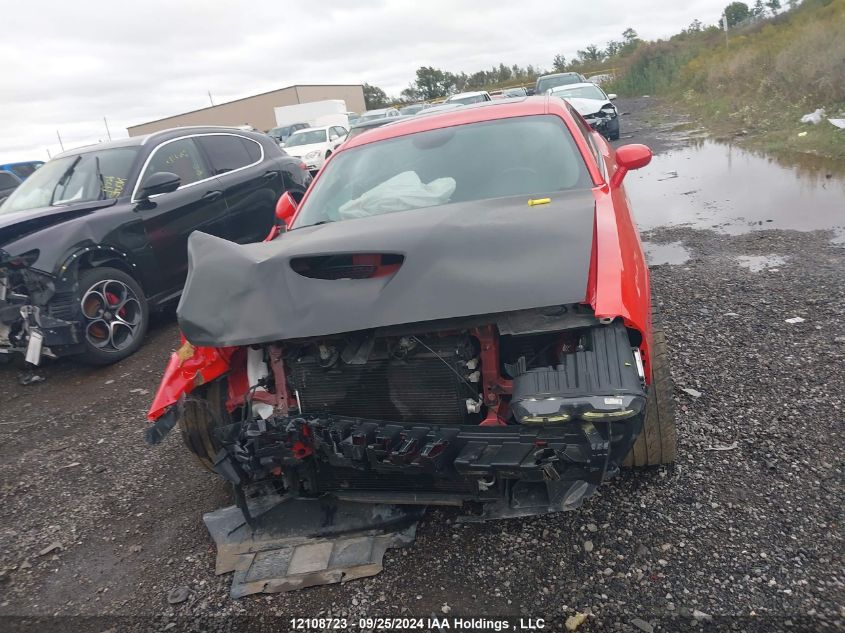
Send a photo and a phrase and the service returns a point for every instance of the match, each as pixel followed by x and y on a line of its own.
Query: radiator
pixel 420 389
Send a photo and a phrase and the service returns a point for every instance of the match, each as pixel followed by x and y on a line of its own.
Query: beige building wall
pixel 257 110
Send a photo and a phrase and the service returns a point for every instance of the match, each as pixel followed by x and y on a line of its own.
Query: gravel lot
pixel 745 533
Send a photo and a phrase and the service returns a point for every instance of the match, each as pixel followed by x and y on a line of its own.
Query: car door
pixel 169 218
pixel 251 183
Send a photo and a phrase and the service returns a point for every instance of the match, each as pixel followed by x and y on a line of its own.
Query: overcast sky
pixel 69 64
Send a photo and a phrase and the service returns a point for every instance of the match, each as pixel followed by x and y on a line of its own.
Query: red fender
pixel 188 368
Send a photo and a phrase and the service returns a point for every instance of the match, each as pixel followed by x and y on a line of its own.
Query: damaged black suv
pixel 97 237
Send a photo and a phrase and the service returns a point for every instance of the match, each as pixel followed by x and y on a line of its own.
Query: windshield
pixel 97 175
pixel 547 83
pixel 306 137
pixel 374 114
pixel 411 109
pixel 466 100
pixel 518 156
pixel 580 92
pixel 355 131
pixel 280 132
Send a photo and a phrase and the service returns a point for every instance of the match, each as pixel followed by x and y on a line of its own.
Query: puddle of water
pixel 657 253
pixel 756 263
pixel 722 187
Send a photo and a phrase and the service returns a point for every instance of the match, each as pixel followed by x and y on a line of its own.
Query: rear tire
pixel 205 411
pixel 115 329
pixel 658 439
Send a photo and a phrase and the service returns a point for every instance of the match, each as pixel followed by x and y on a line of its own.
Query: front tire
pixel 205 411
pixel 115 315
pixel 657 443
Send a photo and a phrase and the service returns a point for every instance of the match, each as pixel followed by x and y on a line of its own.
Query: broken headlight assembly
pixel 557 409
pixel 602 380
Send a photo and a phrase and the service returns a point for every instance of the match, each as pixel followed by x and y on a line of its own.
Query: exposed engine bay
pixel 525 412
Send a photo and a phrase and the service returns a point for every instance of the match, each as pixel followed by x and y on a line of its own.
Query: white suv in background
pixel 315 144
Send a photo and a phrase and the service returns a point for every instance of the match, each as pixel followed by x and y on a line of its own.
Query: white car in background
pixel 594 105
pixel 466 98
pixel 381 113
pixel 315 144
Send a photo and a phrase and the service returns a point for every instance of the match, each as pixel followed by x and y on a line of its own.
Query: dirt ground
pixel 96 527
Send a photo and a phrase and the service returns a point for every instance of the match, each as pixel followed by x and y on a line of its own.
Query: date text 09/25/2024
pixel 422 624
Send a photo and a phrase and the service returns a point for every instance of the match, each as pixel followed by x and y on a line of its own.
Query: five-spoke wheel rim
pixel 112 314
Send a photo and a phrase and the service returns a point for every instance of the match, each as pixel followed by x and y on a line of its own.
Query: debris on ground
pixel 29 378
pixel 574 621
pixel 297 543
pixel 178 594
pixel 840 123
pixel 695 393
pixel 642 625
pixel 814 117
pixel 794 320
pixel 52 547
pixel 729 447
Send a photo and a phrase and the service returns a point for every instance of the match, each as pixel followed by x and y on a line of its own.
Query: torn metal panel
pixel 298 543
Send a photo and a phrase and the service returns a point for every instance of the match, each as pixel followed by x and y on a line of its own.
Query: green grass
pixel 758 86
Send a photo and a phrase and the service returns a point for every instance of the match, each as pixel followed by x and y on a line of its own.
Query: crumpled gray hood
pixel 461 259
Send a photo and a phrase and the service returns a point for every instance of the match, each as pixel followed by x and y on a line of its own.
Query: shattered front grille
pixel 422 389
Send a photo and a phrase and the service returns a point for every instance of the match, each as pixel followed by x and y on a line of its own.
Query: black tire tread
pixel 657 442
pixel 204 411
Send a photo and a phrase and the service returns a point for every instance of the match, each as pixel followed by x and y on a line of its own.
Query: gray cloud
pixel 74 63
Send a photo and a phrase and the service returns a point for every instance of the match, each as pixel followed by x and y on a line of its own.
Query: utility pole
pixel 210 99
pixel 62 145
pixel 725 18
pixel 107 127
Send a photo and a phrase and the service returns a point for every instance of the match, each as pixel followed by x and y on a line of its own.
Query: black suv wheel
pixel 114 315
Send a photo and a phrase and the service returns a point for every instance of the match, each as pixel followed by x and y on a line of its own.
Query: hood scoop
pixel 347 265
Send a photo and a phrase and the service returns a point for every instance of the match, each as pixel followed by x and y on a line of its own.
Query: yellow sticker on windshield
pixel 113 186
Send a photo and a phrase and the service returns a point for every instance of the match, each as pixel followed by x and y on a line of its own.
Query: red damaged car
pixel 458 311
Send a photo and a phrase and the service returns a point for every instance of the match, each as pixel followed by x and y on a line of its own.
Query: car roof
pixel 580 84
pixel 163 135
pixel 571 72
pixel 380 121
pixel 475 113
pixel 377 111
pixel 21 162
pixel 473 93
pixel 311 129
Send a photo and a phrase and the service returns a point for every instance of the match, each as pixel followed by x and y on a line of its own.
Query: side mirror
pixel 285 208
pixel 629 157
pixel 159 182
pixel 333 137
pixel 611 96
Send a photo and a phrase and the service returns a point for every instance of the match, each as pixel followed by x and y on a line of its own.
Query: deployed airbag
pixel 402 192
pixel 462 259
